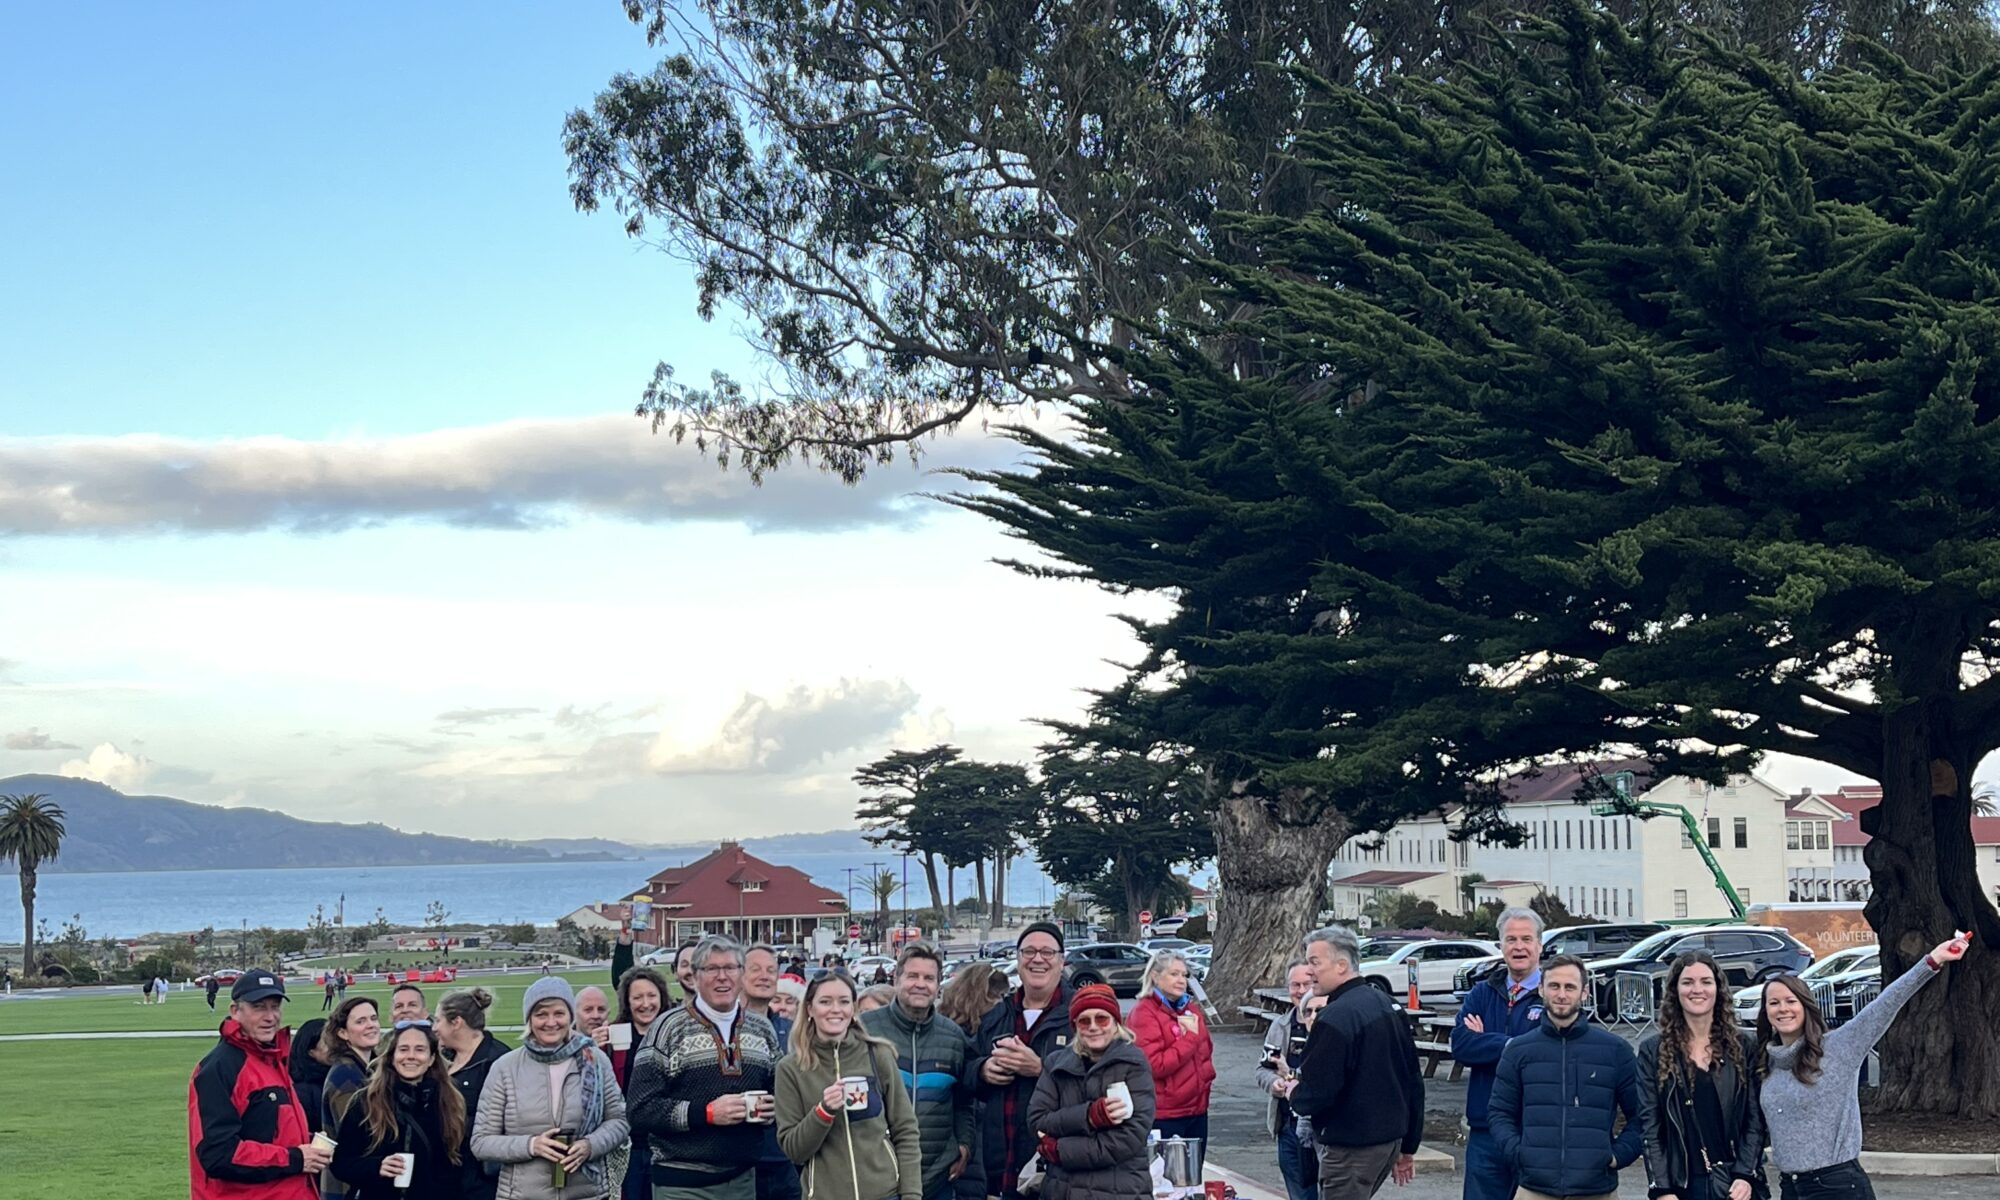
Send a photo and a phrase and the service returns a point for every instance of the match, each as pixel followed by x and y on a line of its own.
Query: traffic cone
pixel 1415 1004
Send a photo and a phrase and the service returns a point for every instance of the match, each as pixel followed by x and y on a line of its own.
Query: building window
pixel 1687 843
pixel 1631 909
pixel 1680 902
pixel 1715 833
pixel 1792 835
pixel 1742 833
pixel 1823 836
pixel 753 885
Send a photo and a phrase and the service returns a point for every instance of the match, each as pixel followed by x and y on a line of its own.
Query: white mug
pixel 1122 1093
pixel 856 1087
pixel 621 1035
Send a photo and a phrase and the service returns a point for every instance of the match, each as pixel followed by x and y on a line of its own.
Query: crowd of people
pixel 758 1084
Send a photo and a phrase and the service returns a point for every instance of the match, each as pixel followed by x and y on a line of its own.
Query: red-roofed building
pixel 1849 840
pixel 731 891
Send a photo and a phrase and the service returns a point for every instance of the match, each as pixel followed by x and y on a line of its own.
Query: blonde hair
pixel 805 1039
pixel 1156 966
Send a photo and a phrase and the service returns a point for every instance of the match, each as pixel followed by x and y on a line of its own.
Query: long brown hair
pixel 379 1106
pixel 970 994
pixel 633 975
pixel 1723 1043
pixel 805 1040
pixel 332 1047
pixel 1812 1036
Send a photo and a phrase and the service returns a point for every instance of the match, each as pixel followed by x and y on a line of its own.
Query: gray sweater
pixel 1819 1124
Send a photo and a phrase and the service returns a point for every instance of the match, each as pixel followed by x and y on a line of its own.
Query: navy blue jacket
pixel 1481 1051
pixel 1555 1109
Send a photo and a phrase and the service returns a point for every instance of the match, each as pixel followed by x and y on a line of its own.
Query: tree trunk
pixel 950 890
pixel 1926 887
pixel 999 888
pixel 930 876
pixel 28 969
pixel 979 877
pixel 1271 858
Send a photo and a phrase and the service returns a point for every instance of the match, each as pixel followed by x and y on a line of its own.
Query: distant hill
pixel 110 831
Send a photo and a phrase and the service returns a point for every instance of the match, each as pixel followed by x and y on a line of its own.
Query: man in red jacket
pixel 247 1133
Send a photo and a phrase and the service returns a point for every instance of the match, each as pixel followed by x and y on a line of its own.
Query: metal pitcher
pixel 1181 1159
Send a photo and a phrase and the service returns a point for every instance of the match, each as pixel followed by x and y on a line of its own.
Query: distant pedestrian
pixel 214 988
pixel 340 981
pixel 146 990
pixel 1704 1131
pixel 1284 1048
pixel 159 989
pixel 461 1027
pixel 1811 1078
pixel 1558 1094
pixel 326 1005
pixel 1358 1081
pixel 1170 1030
pixel 402 1137
pixel 248 1137
pixel 1092 1107
pixel 1499 1008
pixel 556 1082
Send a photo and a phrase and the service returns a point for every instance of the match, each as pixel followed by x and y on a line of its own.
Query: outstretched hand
pixel 1953 950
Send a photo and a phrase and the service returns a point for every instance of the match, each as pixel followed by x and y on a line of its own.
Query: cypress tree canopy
pixel 1629 391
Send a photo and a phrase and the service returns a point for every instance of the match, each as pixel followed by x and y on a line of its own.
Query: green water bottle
pixel 560 1174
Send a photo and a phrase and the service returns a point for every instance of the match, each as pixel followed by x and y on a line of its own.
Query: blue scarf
pixel 1177 1007
pixel 578 1047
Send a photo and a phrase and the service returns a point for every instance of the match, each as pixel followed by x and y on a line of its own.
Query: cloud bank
pixel 34 739
pixel 513 475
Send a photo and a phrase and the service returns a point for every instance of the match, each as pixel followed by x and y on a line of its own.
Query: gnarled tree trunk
pixel 1271 856
pixel 1943 1053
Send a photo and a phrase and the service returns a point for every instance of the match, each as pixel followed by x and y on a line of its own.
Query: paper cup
pixel 757 1101
pixel 324 1142
pixel 856 1087
pixel 1120 1092
pixel 621 1035
pixel 402 1179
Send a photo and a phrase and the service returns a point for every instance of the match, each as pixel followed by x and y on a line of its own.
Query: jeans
pixel 1846 1181
pixel 1299 1165
pixel 1487 1175
pixel 777 1181
pixel 1355 1172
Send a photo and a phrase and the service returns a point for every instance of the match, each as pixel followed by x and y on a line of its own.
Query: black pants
pixel 1183 1127
pixel 1845 1181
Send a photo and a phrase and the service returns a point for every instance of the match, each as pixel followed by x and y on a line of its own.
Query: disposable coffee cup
pixel 621 1035
pixel 323 1142
pixel 402 1179
pixel 856 1088
pixel 756 1101
pixel 1120 1092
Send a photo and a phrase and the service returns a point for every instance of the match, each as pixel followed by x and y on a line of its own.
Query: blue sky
pixel 298 295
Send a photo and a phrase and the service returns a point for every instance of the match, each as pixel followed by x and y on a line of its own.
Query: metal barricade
pixel 1633 999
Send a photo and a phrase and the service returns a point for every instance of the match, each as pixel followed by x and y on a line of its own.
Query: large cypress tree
pixel 1621 394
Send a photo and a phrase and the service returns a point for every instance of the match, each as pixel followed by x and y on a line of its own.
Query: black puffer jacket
pixel 357 1161
pixel 1091 1163
pixel 479 1183
pixel 308 1073
pixel 1665 1113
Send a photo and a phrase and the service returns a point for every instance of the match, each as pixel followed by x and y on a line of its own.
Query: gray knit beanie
pixel 548 987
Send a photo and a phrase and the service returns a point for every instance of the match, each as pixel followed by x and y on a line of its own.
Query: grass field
pixel 121 1012
pixel 415 958
pixel 114 1112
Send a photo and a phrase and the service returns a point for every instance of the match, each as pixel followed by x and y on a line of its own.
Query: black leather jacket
pixel 1665 1117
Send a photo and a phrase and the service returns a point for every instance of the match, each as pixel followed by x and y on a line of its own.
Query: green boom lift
pixel 1626 806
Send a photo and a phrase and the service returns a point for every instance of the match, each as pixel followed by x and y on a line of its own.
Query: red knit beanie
pixel 1096 996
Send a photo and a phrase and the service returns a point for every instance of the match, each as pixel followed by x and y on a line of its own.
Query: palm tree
pixel 884 888
pixel 1986 800
pixel 31 833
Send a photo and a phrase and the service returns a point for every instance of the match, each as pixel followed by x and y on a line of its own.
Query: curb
pixel 1885 1162
pixel 1429 1162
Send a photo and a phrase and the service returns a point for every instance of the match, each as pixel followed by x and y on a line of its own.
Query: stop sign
pixel 854 931
pixel 1145 916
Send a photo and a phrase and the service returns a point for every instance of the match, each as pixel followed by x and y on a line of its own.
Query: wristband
pixel 708 1113
pixel 819 1110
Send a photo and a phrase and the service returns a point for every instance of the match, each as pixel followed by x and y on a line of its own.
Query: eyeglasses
pixel 1096 1020
pixel 1040 955
pixel 736 969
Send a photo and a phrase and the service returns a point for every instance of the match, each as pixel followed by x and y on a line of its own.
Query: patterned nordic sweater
pixel 682 1065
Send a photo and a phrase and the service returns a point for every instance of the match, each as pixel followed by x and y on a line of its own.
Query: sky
pixel 320 489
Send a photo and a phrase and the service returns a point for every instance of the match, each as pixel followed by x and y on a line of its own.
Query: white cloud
pixel 112 767
pixel 34 739
pixel 513 475
pixel 796 730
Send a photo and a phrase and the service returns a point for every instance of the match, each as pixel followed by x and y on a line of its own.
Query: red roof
pixel 1507 883
pixel 1385 878
pixel 711 888
pixel 1560 781
pixel 1855 800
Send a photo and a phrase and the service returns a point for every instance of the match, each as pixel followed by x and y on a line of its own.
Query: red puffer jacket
pixel 245 1123
pixel 1183 1063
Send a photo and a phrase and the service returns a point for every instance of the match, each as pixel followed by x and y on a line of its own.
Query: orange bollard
pixel 1415 1002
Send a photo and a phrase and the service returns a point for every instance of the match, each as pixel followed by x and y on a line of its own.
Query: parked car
pixel 1587 942
pixel 1382 945
pixel 863 968
pixel 1122 965
pixel 1437 963
pixel 1153 945
pixel 999 949
pixel 1748 954
pixel 1169 926
pixel 1842 971
pixel 1199 959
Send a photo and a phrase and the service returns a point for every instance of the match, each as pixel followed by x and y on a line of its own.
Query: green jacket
pixel 930 1058
pixel 871 1153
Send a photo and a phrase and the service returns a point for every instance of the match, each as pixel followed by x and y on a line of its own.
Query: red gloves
pixel 1100 1114
pixel 1047 1150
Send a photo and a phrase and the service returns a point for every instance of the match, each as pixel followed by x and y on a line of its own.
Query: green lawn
pixel 120 1013
pixel 418 958
pixel 113 1114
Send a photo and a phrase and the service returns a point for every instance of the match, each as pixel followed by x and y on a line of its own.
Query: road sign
pixel 854 931
pixel 1145 916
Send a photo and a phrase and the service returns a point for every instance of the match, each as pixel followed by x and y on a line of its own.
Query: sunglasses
pixel 400 1026
pixel 1096 1020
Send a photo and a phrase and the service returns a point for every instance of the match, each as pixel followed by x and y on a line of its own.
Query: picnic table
pixel 1433 1037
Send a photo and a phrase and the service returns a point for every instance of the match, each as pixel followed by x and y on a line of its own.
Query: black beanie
pixel 1049 927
